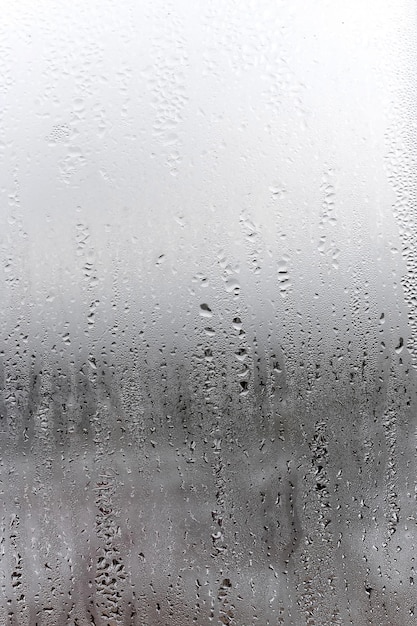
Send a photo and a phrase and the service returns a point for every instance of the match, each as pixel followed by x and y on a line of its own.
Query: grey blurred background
pixel 208 235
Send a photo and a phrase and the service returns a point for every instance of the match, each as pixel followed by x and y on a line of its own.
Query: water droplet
pixel 205 310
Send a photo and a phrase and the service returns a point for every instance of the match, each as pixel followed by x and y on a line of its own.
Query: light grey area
pixel 208 383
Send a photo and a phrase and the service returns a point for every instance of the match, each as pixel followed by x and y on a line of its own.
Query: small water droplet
pixel 205 310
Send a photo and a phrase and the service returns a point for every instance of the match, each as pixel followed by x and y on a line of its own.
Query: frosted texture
pixel 209 333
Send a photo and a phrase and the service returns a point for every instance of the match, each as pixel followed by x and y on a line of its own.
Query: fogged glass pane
pixel 209 338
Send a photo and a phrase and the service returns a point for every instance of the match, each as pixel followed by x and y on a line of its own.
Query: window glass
pixel 209 338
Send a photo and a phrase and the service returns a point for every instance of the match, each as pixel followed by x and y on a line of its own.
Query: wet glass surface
pixel 209 340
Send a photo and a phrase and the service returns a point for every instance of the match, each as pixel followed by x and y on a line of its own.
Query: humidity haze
pixel 208 387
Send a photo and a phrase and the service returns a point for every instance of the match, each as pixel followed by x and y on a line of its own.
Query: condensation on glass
pixel 209 337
